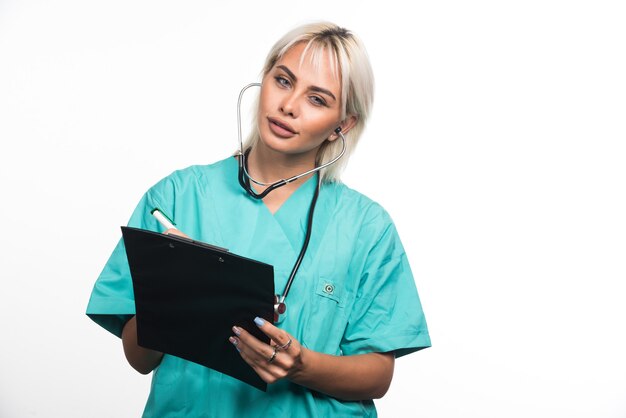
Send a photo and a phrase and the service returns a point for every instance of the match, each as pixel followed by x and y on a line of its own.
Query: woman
pixel 353 306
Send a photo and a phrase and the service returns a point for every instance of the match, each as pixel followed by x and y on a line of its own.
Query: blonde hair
pixel 349 61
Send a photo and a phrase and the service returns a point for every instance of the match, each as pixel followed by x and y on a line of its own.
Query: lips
pixel 280 128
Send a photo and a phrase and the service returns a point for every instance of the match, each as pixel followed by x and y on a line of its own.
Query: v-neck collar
pixel 303 193
pixel 291 217
pixel 253 231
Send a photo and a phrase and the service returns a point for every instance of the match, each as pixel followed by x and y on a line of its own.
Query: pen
pixel 163 220
pixel 169 224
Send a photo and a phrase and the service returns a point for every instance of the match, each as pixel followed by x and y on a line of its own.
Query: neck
pixel 268 166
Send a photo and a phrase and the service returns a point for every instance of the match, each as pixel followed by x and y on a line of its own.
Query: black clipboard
pixel 188 295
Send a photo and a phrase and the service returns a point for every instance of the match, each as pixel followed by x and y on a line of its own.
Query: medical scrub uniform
pixel 354 292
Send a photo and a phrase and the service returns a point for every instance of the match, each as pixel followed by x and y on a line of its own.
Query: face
pixel 299 106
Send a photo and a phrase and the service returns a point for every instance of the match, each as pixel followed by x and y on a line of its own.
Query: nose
pixel 289 105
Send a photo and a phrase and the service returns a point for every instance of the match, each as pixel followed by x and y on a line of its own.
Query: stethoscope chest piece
pixel 279 309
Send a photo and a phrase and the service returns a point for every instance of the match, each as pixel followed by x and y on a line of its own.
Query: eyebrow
pixel 313 88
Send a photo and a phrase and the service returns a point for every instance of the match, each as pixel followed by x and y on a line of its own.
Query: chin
pixel 276 144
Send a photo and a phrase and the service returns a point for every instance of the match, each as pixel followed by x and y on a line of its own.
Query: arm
pixel 142 359
pixel 351 378
pixel 357 377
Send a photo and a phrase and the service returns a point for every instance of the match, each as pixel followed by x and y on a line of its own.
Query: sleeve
pixel 112 301
pixel 387 314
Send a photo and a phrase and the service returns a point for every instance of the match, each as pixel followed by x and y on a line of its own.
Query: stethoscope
pixel 244 180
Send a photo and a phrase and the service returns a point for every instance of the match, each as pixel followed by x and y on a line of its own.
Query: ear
pixel 348 123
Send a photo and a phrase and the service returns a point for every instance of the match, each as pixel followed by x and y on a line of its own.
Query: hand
pixel 174 231
pixel 286 363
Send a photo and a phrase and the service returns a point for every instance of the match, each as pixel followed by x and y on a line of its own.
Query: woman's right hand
pixel 174 231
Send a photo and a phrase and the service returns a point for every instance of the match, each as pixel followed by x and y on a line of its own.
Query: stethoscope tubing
pixel 246 186
pixel 245 178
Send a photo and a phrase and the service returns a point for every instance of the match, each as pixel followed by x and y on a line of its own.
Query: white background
pixel 497 144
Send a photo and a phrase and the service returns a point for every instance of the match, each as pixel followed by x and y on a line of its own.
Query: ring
pixel 271 359
pixel 284 346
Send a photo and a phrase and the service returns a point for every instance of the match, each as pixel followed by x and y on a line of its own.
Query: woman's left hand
pixel 280 359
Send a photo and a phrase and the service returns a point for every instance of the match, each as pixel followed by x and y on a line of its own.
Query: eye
pixel 317 101
pixel 282 81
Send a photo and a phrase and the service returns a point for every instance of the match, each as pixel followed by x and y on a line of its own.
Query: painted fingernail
pixel 259 321
pixel 237 331
pixel 234 342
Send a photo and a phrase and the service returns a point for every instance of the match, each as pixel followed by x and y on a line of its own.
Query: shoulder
pixel 353 203
pixel 190 178
pixel 356 209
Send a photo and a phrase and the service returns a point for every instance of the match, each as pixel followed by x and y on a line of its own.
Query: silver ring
pixel 271 359
pixel 284 346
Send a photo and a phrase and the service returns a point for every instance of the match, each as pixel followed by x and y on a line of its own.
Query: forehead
pixel 313 60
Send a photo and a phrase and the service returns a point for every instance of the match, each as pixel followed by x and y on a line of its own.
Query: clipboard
pixel 188 295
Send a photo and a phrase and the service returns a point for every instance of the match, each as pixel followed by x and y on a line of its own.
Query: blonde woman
pixel 352 303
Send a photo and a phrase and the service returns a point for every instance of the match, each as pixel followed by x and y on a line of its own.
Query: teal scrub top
pixel 354 292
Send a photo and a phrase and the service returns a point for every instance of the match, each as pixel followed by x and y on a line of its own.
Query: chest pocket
pixel 327 288
pixel 326 315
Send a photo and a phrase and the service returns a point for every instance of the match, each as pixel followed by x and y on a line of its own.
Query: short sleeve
pixel 387 314
pixel 112 301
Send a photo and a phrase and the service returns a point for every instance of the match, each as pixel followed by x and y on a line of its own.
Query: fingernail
pixel 237 331
pixel 259 321
pixel 234 342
